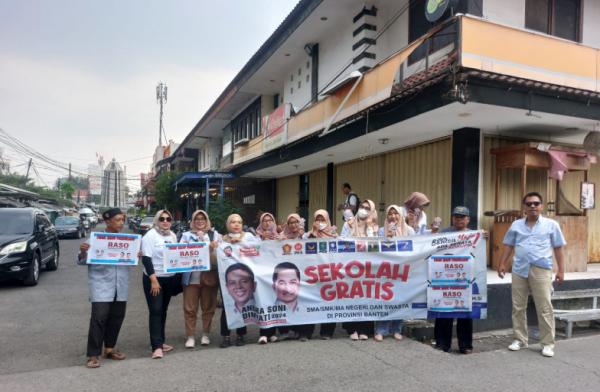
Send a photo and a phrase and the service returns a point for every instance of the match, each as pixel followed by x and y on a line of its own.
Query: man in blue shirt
pixel 534 239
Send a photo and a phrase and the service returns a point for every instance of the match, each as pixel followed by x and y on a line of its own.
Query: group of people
pixel 109 284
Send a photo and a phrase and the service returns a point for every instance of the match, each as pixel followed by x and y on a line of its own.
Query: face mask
pixel 235 235
pixel 322 226
pixel 348 214
pixel 362 213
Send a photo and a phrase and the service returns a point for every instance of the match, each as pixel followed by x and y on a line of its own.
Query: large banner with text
pixel 291 282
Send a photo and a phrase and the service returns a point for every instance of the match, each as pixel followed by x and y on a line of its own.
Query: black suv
pixel 28 241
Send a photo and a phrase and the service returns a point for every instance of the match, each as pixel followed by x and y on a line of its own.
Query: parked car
pixel 145 225
pixel 70 226
pixel 28 242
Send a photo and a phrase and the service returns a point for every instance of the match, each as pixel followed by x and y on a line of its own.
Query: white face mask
pixel 362 213
pixel 322 225
pixel 235 235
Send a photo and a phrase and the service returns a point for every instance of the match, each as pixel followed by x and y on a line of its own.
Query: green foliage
pixel 165 194
pixel 219 211
pixel 16 180
pixel 20 181
pixel 67 190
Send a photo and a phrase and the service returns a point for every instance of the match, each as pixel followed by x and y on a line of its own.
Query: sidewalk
pixel 335 365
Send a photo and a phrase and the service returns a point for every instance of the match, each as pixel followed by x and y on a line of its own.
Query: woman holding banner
pixel 322 228
pixel 109 288
pixel 200 288
pixel 267 231
pixel 363 225
pixel 159 286
pixel 395 226
pixel 234 235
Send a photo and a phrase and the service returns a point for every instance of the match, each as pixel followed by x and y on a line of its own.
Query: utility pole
pixel 28 167
pixel 161 98
pixel 69 172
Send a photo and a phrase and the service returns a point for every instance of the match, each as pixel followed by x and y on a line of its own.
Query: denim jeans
pixel 388 327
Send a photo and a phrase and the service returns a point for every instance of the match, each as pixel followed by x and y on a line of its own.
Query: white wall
pixel 296 88
pixel 591 23
pixel 509 12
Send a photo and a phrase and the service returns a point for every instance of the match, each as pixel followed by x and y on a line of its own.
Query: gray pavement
pixel 43 333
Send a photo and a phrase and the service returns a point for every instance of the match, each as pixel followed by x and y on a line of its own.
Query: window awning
pixel 199 178
pixel 343 82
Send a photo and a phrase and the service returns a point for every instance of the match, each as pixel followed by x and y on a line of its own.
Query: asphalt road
pixel 43 332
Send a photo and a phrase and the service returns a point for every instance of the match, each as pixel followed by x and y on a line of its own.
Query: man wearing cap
pixel 464 326
pixel 109 286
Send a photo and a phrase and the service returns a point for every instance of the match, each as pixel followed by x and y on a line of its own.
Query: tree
pixel 16 180
pixel 164 192
pixel 67 190
pixel 219 211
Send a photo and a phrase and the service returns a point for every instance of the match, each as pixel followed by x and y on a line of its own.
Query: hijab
pixel 227 237
pixel 287 233
pixel 359 227
pixel 415 202
pixel 157 227
pixel 402 228
pixel 193 227
pixel 262 233
pixel 329 231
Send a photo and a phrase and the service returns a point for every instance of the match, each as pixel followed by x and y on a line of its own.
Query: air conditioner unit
pixel 242 142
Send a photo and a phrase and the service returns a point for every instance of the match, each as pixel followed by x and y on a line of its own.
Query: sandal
pixel 157 354
pixel 166 348
pixel 116 355
pixel 92 363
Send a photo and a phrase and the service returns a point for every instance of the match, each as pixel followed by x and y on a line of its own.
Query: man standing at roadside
pixel 351 202
pixel 533 239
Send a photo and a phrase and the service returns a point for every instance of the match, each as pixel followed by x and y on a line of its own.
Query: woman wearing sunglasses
pixel 159 286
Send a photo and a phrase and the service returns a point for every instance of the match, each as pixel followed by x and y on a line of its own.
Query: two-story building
pixel 396 96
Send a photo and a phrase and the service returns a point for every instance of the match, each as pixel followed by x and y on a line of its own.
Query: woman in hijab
pixel 235 234
pixel 267 231
pixel 363 225
pixel 293 228
pixel 414 206
pixel 159 286
pixel 395 226
pixel 322 228
pixel 200 288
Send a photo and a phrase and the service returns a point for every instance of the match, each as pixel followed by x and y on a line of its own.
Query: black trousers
pixel 105 324
pixel 464 333
pixel 361 327
pixel 327 329
pixel 304 330
pixel 158 306
pixel 225 330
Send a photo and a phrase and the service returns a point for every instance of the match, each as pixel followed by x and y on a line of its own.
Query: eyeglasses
pixel 293 222
pixel 165 218
pixel 533 203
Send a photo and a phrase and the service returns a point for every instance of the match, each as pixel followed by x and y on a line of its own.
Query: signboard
pixel 188 257
pixel 114 248
pixel 292 282
pixel 434 9
pixel 275 127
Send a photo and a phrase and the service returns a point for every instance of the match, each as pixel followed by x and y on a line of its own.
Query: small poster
pixel 588 195
pixel 450 278
pixel 114 249
pixel 188 257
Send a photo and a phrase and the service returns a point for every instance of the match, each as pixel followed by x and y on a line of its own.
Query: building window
pixel 299 84
pixel 561 18
pixel 275 101
pixel 291 77
pixel 247 124
pixel 299 71
pixel 307 78
pixel 418 26
pixel 308 65
pixel 291 91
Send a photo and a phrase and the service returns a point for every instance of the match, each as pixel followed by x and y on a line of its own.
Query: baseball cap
pixel 461 210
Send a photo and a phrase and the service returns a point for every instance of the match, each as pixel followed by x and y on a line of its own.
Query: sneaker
pixel 398 336
pixel 157 354
pixel 204 341
pixel 225 342
pixel 516 345
pixel 378 337
pixel 240 341
pixel 190 342
pixel 167 347
pixel 273 339
pixel 263 340
pixel 548 351
pixel 354 336
pixel 363 337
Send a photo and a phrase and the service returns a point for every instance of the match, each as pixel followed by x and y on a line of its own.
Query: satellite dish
pixel 591 143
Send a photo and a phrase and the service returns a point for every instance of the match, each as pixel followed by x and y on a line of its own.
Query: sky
pixel 78 77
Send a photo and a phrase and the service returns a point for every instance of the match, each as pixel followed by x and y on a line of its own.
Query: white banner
pixel 294 282
pixel 188 257
pixel 114 248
